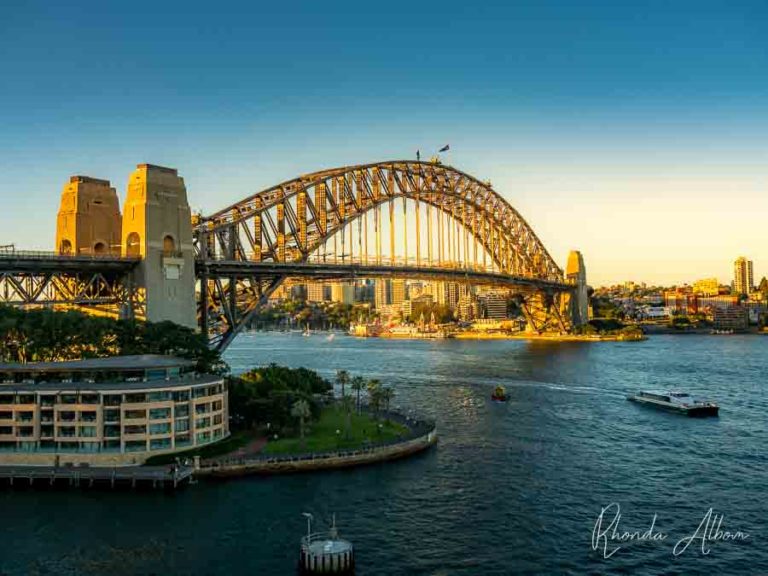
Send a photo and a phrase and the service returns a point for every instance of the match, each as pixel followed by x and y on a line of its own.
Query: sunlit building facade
pixel 118 410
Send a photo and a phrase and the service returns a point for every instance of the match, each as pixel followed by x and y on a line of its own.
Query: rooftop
pixel 64 387
pixel 110 364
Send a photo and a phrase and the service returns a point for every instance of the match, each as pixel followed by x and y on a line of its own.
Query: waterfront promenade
pixel 422 434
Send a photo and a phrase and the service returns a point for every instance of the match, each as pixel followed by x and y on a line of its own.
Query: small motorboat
pixel 680 402
pixel 499 394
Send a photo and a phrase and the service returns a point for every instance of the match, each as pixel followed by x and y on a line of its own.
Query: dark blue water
pixel 511 489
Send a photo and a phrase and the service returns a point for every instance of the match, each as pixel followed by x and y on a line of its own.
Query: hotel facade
pixel 108 411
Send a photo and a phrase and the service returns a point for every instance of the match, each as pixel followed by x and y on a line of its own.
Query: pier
pixel 163 477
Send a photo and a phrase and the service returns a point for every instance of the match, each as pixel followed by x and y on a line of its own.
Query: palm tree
pixel 346 404
pixel 358 383
pixel 386 396
pixel 342 378
pixel 300 410
pixel 374 395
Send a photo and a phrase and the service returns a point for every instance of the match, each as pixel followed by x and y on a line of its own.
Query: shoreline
pixel 422 436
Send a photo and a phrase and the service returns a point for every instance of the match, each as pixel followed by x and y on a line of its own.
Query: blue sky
pixel 636 133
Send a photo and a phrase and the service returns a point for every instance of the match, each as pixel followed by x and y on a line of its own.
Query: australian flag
pixel 445 148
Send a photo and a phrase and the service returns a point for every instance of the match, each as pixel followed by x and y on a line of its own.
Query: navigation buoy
pixel 325 552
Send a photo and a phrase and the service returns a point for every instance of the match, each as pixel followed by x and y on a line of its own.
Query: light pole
pixel 308 516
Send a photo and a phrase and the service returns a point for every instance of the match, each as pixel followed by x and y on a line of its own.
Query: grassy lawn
pixel 321 436
pixel 235 441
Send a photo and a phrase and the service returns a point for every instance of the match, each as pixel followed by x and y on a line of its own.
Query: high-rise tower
pixel 743 279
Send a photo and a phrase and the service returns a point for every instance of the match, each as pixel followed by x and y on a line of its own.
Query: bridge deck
pixel 39 262
pixel 334 271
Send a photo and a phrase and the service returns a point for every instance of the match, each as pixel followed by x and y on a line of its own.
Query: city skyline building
pixel 743 278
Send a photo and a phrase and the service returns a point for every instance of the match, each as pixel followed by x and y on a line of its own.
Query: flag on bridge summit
pixel 445 148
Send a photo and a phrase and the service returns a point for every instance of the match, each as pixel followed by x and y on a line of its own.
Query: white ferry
pixel 681 402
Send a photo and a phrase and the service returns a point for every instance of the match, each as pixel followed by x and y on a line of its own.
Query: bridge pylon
pixel 88 221
pixel 157 226
pixel 578 299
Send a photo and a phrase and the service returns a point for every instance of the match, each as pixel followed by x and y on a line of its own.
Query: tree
pixel 374 395
pixel 346 404
pixel 358 383
pixel 342 378
pixel 300 410
pixel 386 396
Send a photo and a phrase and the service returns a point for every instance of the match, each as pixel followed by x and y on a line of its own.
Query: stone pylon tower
pixel 576 274
pixel 157 226
pixel 89 218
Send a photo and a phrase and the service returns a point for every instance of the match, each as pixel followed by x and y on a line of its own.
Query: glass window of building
pixel 113 399
pixel 163 428
pixel 136 414
pixel 159 413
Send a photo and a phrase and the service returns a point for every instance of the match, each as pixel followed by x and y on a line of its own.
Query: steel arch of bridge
pixel 246 250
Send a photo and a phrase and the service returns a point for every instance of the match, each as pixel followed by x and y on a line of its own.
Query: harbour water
pixel 512 488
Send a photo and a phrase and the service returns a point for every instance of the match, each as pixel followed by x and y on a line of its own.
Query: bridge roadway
pixel 50 262
pixel 347 271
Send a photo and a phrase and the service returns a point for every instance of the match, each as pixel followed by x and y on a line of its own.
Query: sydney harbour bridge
pixel 394 219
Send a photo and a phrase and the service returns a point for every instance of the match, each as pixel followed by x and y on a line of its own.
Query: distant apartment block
pixel 730 318
pixel 706 287
pixel 743 278
pixel 317 292
pixel 343 292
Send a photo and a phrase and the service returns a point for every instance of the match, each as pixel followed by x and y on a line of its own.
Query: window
pixel 89 399
pixel 65 247
pixel 68 398
pixel 181 411
pixel 112 431
pixel 159 396
pixel 217 419
pixel 135 446
pixel 112 445
pixel 112 399
pixel 6 430
pixel 66 431
pixel 25 416
pixel 135 414
pixel 46 431
pixel 47 401
pixel 181 425
pixel 203 422
pixel 99 248
pixel 202 408
pixel 87 432
pixel 112 415
pixel 66 416
pixel 169 246
pixel 5 415
pixel 164 428
pixel 25 399
pixel 159 413
pixel 160 444
pixel 133 245
pixel 89 416
pixel 135 429
pixel 135 398
pixel 203 437
pixel 182 440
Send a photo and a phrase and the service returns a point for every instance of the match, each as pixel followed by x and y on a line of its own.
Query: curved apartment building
pixel 107 411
